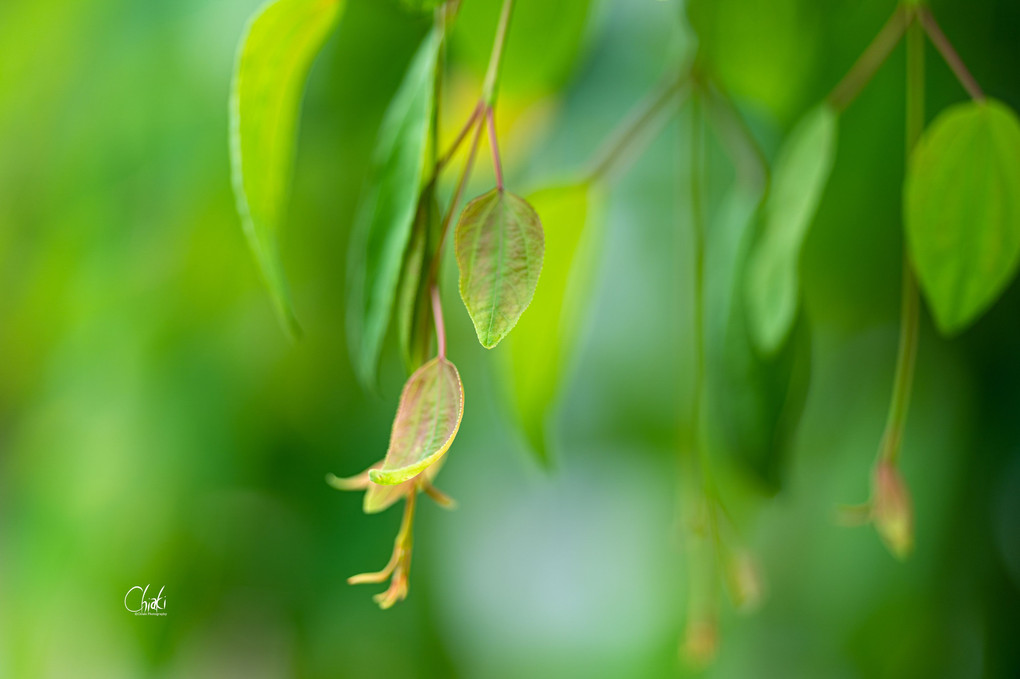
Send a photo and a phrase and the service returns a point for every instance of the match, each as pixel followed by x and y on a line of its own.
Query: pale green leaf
pixel 962 210
pixel 429 414
pixel 383 228
pixel 414 307
pixel 801 171
pixel 499 246
pixel 379 497
pixel 543 341
pixel 275 54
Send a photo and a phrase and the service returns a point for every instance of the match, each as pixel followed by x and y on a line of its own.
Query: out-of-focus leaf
pixel 278 47
pixel 542 342
pixel 753 402
pixel 761 51
pixel 380 237
pixel 414 308
pixel 801 172
pixel 962 210
pixel 421 5
pixel 500 247
pixel 542 45
pixel 429 414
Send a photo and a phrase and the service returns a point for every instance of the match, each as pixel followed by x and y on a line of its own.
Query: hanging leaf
pixel 277 49
pixel 379 497
pixel 383 228
pixel 414 304
pixel 500 246
pixel 753 402
pixel 962 210
pixel 428 417
pixel 543 341
pixel 801 171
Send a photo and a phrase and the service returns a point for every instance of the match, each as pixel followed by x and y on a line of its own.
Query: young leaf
pixel 541 345
pixel 379 497
pixel 753 402
pixel 272 63
pixel 428 417
pixel 387 210
pixel 414 306
pixel 962 210
pixel 801 172
pixel 500 246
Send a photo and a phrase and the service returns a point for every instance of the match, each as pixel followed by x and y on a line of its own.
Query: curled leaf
pixel 379 498
pixel 962 210
pixel 429 414
pixel 500 247
pixel 276 52
pixel 801 171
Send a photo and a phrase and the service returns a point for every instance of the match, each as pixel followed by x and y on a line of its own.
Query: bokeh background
pixel 156 427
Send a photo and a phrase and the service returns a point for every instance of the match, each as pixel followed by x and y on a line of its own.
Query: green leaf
pixel 414 303
pixel 543 341
pixel 428 417
pixel 801 171
pixel 380 236
pixel 753 402
pixel 379 497
pixel 500 246
pixel 962 210
pixel 275 54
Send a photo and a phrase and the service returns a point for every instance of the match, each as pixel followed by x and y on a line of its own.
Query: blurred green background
pixel 157 428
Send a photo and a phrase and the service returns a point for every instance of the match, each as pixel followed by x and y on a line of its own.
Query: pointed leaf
pixel 962 210
pixel 387 211
pixel 801 171
pixel 272 63
pixel 543 341
pixel 428 417
pixel 500 246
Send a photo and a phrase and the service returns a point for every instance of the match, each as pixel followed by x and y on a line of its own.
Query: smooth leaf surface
pixel 544 339
pixel 383 229
pixel 753 402
pixel 272 64
pixel 962 210
pixel 500 247
pixel 414 307
pixel 429 414
pixel 379 497
pixel 801 171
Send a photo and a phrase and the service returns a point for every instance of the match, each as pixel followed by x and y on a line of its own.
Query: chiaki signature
pixel 146 606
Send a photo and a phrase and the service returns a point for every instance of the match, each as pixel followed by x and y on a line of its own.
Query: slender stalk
pixel 871 59
pixel 437 316
pixel 495 61
pixel 623 139
pixel 448 156
pixel 910 309
pixel 497 166
pixel 747 156
pixel 953 59
pixel 698 247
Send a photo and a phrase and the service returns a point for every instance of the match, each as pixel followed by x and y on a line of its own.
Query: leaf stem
pixel 450 152
pixel 437 316
pixel 945 48
pixel 496 60
pixel 871 59
pixel 744 150
pixel 497 166
pixel 607 159
pixel 698 247
pixel 910 306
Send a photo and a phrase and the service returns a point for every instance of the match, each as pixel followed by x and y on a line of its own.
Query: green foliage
pixel 387 212
pixel 500 245
pixel 753 401
pixel 277 49
pixel 801 171
pixel 429 414
pixel 414 308
pixel 544 340
pixel 962 210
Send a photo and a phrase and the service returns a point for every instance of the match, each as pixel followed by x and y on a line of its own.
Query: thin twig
pixel 747 155
pixel 448 156
pixel 496 59
pixel 497 166
pixel 621 141
pixel 873 57
pixel 945 48
pixel 437 317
